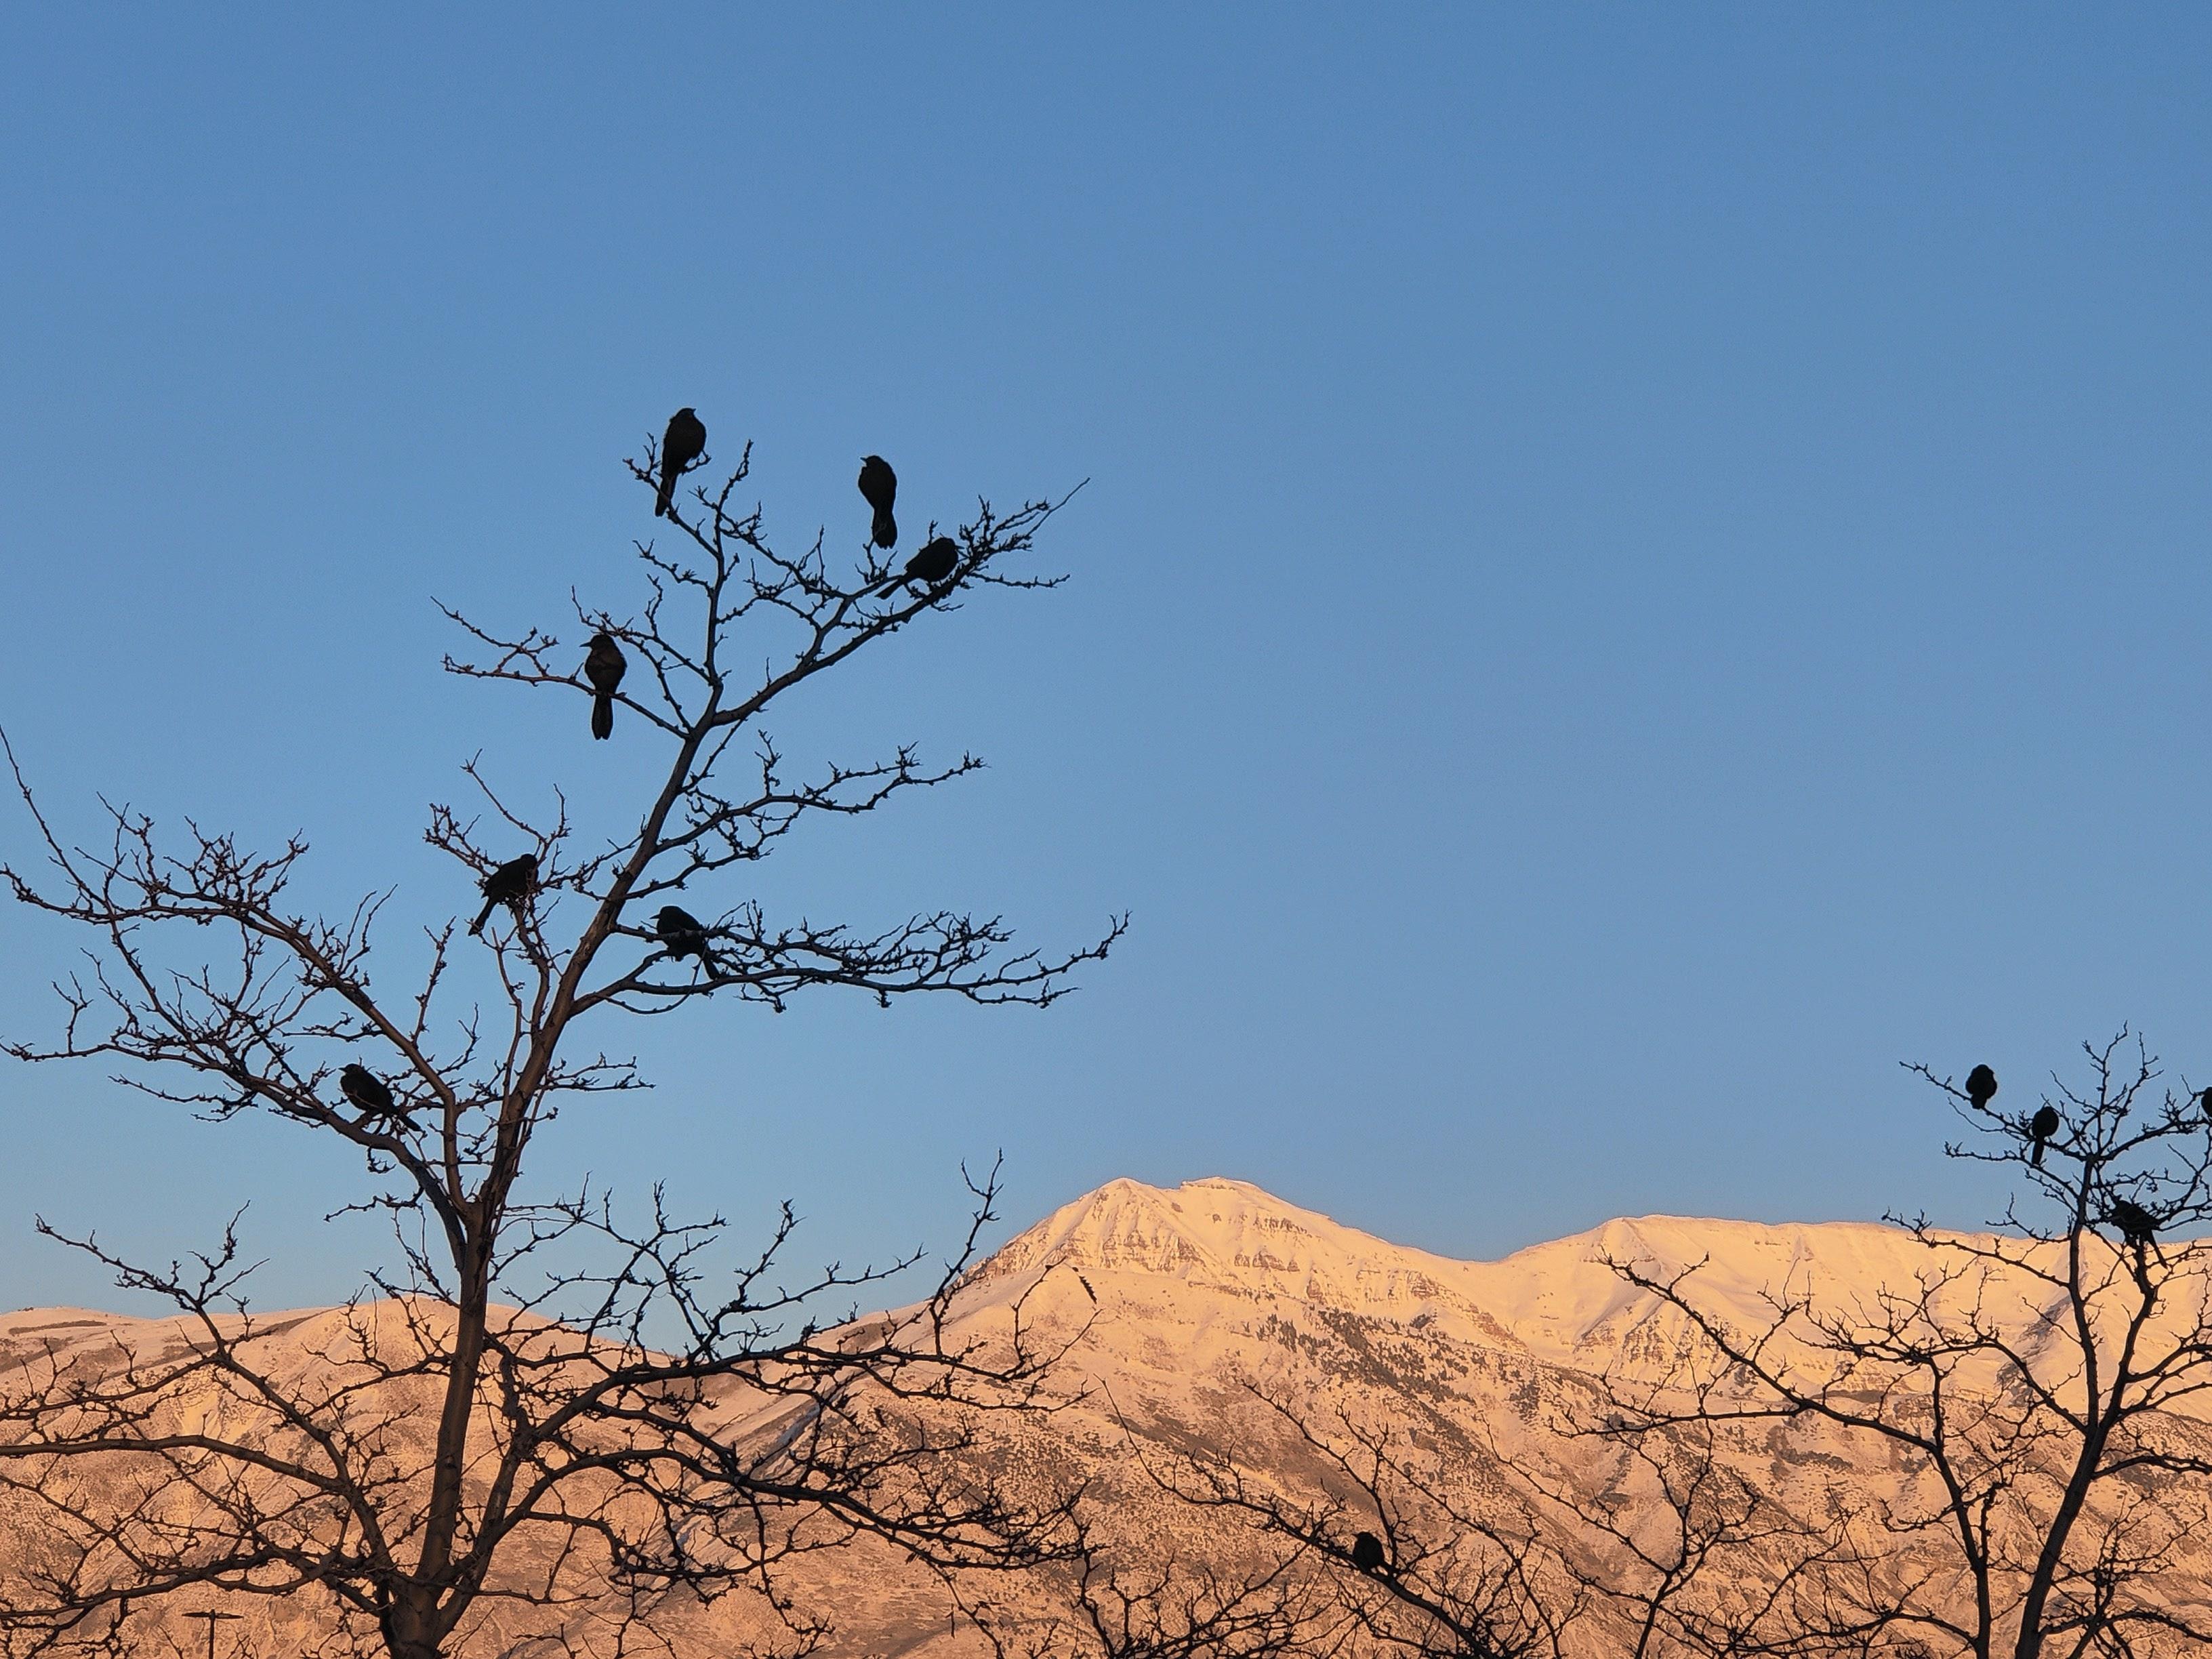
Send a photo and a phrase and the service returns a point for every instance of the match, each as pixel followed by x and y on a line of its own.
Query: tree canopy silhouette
pixel 540 1410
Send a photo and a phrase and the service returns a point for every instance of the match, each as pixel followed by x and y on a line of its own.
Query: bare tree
pixel 2038 1391
pixel 1654 1546
pixel 539 1418
pixel 1459 1568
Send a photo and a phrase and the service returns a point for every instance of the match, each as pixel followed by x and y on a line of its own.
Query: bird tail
pixel 482 916
pixel 603 714
pixel 667 493
pixel 2035 1158
pixel 886 528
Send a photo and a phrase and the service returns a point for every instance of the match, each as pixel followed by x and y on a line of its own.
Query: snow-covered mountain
pixel 1187 1306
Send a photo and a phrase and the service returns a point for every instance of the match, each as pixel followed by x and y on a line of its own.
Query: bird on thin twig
pixel 368 1091
pixel 2138 1230
pixel 2040 1130
pixel 1981 1086
pixel 682 934
pixel 2137 1225
pixel 1367 1552
pixel 2204 1103
pixel 879 484
pixel 510 885
pixel 604 667
pixel 935 562
pixel 684 443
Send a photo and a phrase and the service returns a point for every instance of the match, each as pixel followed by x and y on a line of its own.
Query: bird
pixel 682 934
pixel 511 884
pixel 367 1092
pixel 2040 1129
pixel 1981 1086
pixel 2137 1225
pixel 684 443
pixel 879 484
pixel 932 565
pixel 604 667
pixel 2204 1103
pixel 1367 1552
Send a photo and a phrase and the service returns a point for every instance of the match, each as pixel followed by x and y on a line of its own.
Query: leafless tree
pixel 1653 1547
pixel 2038 1391
pixel 538 1418
pixel 1132 1601
pixel 1464 1572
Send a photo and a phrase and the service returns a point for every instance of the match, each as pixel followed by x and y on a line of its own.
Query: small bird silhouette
pixel 935 562
pixel 2137 1225
pixel 604 667
pixel 684 443
pixel 511 884
pixel 1981 1086
pixel 682 934
pixel 2204 1103
pixel 1367 1552
pixel 879 484
pixel 2043 1125
pixel 367 1092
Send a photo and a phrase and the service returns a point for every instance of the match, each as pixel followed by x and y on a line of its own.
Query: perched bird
pixel 2039 1130
pixel 684 443
pixel 1367 1552
pixel 2137 1225
pixel 880 485
pixel 511 884
pixel 604 667
pixel 931 566
pixel 1981 1086
pixel 2204 1102
pixel 367 1092
pixel 682 934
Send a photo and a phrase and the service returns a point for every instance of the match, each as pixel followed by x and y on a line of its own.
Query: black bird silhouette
pixel 1981 1086
pixel 2204 1102
pixel 932 565
pixel 367 1092
pixel 682 934
pixel 2137 1225
pixel 684 443
pixel 1367 1552
pixel 2044 1125
pixel 511 884
pixel 604 667
pixel 880 485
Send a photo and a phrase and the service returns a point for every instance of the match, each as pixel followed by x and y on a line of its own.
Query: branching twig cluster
pixel 535 1406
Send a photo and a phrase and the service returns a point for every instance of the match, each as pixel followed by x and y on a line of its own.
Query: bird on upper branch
pixel 510 885
pixel 682 934
pixel 605 666
pixel 879 484
pixel 1367 1552
pixel 1981 1086
pixel 2137 1225
pixel 368 1091
pixel 684 443
pixel 935 562
pixel 2040 1130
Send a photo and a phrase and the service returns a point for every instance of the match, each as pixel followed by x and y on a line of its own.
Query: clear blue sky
pixel 1641 566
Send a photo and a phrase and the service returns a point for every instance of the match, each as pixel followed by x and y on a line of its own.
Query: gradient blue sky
pixel 1641 566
